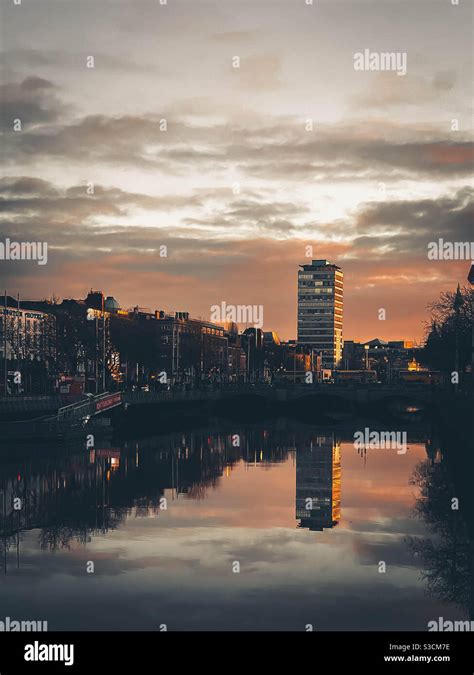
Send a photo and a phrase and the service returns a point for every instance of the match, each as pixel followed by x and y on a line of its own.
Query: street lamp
pixel 366 349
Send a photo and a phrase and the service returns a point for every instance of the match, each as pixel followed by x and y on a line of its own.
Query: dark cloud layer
pixel 32 101
pixel 280 148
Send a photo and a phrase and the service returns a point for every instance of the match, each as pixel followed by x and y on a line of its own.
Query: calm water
pixel 226 507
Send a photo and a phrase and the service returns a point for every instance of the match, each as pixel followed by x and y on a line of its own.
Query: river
pixel 276 528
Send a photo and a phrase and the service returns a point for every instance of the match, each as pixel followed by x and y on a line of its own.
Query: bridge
pixel 59 406
pixel 67 423
pixel 362 394
pixel 89 405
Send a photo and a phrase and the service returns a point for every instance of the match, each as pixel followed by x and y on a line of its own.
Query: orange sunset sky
pixel 237 170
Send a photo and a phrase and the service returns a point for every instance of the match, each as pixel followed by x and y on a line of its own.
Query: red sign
pixel 109 402
pixel 108 452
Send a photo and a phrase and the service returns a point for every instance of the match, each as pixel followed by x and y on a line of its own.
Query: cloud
pixel 406 227
pixel 229 254
pixel 234 36
pixel 19 186
pixel 260 72
pixel 50 58
pixel 35 204
pixel 33 101
pixel 72 218
pixel 385 90
pixel 274 148
pixel 444 80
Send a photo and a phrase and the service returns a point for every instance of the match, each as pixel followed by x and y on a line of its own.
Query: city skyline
pixel 236 328
pixel 237 170
pixel 170 309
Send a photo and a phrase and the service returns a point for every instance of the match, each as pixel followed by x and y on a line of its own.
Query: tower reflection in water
pixel 318 483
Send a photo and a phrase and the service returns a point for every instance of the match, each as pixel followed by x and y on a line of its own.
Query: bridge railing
pixel 75 409
pixel 90 406
pixel 288 392
pixel 136 397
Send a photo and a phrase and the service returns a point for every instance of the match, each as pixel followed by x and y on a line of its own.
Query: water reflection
pixel 89 493
pixel 307 514
pixel 318 483
pixel 447 553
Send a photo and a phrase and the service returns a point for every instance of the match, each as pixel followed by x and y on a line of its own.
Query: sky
pixel 242 173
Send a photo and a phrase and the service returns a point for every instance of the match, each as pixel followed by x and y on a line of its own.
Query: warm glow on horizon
pixel 237 170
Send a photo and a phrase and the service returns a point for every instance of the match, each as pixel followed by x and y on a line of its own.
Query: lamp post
pixel 366 350
pixel 457 306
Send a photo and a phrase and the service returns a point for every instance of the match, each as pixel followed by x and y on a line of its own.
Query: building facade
pixel 320 310
pixel 386 359
pixel 163 348
pixel 28 339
